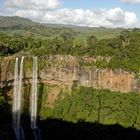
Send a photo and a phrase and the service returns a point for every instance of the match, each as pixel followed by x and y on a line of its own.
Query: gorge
pixel 52 87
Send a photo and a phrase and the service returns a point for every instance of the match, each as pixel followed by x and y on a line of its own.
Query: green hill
pixel 10 22
pixel 26 27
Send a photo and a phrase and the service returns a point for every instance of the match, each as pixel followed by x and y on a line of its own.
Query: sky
pixel 91 13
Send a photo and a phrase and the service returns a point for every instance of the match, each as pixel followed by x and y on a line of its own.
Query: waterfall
pixel 34 95
pixel 17 96
pixel 33 101
pixel 18 76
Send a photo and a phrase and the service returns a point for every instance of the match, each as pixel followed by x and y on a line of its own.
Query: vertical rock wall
pixel 64 70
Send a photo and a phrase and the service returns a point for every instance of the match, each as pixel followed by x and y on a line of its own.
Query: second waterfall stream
pixel 33 101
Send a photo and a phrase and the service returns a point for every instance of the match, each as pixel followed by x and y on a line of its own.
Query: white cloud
pixel 32 14
pixel 33 4
pixel 115 15
pixel 46 11
pixel 102 17
pixel 130 1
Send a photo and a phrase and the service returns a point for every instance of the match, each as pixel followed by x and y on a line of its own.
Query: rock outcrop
pixel 68 70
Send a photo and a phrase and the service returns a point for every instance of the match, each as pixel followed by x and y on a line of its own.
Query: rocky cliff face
pixel 70 71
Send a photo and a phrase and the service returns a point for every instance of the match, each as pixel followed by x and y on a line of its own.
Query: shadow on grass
pixel 6 123
pixel 53 129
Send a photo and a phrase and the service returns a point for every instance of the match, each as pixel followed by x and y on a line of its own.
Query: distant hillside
pixel 9 22
pixel 23 26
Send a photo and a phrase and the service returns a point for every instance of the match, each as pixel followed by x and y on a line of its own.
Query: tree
pixel 125 37
pixel 115 43
pixel 67 36
pixel 91 41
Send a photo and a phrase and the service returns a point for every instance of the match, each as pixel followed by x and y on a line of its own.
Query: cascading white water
pixel 15 94
pixel 33 101
pixel 18 76
pixel 34 95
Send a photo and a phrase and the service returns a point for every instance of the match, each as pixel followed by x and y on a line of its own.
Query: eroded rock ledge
pixel 70 70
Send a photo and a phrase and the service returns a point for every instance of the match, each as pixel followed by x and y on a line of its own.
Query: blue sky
pixel 112 13
pixel 91 4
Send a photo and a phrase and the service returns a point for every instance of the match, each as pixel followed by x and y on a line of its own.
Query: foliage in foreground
pixel 123 51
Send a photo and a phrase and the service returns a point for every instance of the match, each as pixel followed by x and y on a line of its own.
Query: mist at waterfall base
pixel 17 96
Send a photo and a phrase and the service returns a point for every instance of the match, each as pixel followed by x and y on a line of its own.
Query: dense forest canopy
pixel 100 106
pixel 124 50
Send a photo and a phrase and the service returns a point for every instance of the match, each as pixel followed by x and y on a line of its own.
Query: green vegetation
pixel 122 51
pixel 96 106
pixel 18 26
pixel 2 99
pixel 118 48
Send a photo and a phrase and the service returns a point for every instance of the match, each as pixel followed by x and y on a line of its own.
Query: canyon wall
pixel 71 71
